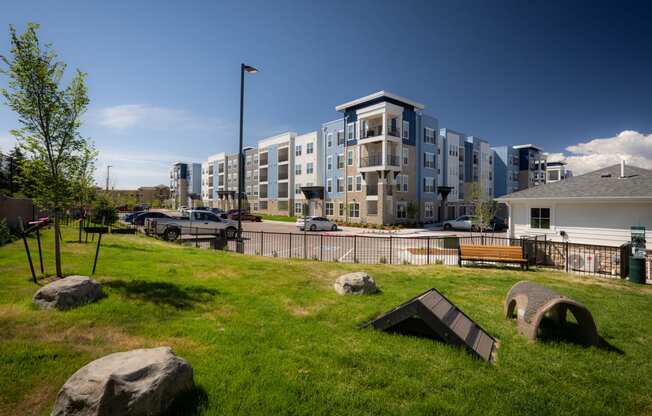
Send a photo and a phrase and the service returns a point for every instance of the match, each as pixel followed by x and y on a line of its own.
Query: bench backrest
pixel 503 252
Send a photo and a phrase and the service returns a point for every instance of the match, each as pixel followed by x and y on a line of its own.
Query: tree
pixel 483 205
pixel 83 183
pixel 50 117
pixel 104 210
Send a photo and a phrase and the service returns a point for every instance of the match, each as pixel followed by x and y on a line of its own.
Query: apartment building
pixel 308 152
pixel 453 177
pixel 478 168
pixel 275 174
pixel 518 167
pixel 185 183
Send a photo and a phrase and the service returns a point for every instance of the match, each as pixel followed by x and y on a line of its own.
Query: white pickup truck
pixel 195 222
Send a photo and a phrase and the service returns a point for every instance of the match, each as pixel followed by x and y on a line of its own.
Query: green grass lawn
pixel 270 336
pixel 285 218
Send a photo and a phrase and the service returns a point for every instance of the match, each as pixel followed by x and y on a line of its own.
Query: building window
pixel 329 208
pixel 349 183
pixel 406 130
pixel 540 218
pixel 406 156
pixel 401 210
pixel 297 150
pixel 340 184
pixel 329 139
pixel 329 185
pixel 429 160
pixel 349 158
pixel 340 137
pixel 429 185
pixel 358 183
pixel 398 182
pixel 340 161
pixel 341 209
pixel 309 148
pixel 350 131
pixel 372 207
pixel 428 210
pixel 298 208
pixel 405 183
pixel 297 189
pixel 429 136
pixel 297 169
pixel 282 205
pixel 262 205
pixel 329 163
pixel 354 209
pixel 309 168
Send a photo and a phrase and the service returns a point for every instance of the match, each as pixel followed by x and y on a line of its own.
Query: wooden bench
pixel 498 254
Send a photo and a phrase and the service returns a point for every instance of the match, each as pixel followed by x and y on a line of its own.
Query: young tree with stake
pixel 50 118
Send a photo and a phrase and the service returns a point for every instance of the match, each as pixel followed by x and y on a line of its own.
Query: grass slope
pixel 270 336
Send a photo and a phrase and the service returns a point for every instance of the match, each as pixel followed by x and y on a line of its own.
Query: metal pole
pixel 240 164
pixel 40 253
pixel 29 257
pixel 428 251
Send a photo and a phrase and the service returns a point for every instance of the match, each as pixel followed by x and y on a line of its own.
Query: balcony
pixel 283 172
pixel 372 190
pixel 283 155
pixel 372 132
pixel 376 160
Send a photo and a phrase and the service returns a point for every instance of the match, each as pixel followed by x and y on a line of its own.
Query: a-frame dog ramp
pixel 432 315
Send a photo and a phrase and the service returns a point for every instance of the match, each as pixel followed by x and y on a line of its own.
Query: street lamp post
pixel 107 176
pixel 251 70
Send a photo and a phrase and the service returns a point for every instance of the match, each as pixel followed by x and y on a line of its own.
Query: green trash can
pixel 637 270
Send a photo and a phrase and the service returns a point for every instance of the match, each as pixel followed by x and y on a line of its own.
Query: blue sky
pixel 573 77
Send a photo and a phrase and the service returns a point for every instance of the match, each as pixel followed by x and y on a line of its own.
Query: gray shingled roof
pixel 637 183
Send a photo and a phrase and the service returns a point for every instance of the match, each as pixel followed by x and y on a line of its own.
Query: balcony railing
pixel 372 132
pixel 393 131
pixel 376 159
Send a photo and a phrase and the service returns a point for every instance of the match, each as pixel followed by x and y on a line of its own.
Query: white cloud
pixel 151 117
pixel 633 147
pixel 7 142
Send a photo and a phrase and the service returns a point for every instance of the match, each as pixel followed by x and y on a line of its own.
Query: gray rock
pixel 138 382
pixel 68 292
pixel 358 283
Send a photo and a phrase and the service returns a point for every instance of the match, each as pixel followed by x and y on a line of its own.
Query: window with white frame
pixel 349 158
pixel 309 148
pixel 340 184
pixel 429 136
pixel 341 209
pixel 429 185
pixel 350 131
pixel 297 169
pixel 349 183
pixel 297 150
pixel 406 130
pixel 329 185
pixel 540 218
pixel 354 209
pixel 399 178
pixel 329 163
pixel 309 168
pixel 329 208
pixel 428 210
pixel 298 208
pixel 405 183
pixel 401 210
pixel 329 139
pixel 428 160
pixel 297 189
pixel 340 161
pixel 406 156
pixel 358 183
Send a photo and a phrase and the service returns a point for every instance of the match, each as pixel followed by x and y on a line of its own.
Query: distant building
pixel 185 180
pixel 144 194
pixel 517 168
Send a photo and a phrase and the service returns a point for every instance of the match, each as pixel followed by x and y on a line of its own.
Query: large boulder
pixel 138 382
pixel 68 292
pixel 358 283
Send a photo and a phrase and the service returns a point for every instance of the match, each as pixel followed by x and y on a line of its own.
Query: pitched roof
pixel 602 183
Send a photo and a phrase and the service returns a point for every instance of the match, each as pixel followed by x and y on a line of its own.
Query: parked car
pixel 217 211
pixel 141 207
pixel 464 223
pixel 182 208
pixel 315 224
pixel 196 221
pixel 245 216
pixel 129 218
pixel 141 217
pixel 498 224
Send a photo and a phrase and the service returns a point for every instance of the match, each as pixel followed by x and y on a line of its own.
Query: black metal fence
pixel 381 249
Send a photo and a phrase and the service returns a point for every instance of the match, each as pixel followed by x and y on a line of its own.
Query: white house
pixel 595 208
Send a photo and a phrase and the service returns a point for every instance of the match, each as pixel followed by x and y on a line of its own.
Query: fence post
pixel 390 249
pixel 566 254
pixel 305 249
pixel 262 240
pixel 321 247
pixel 196 238
pixel 428 251
pixel 290 235
pixel 354 249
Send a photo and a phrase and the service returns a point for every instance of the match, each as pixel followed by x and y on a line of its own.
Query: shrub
pixel 5 233
pixel 104 209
